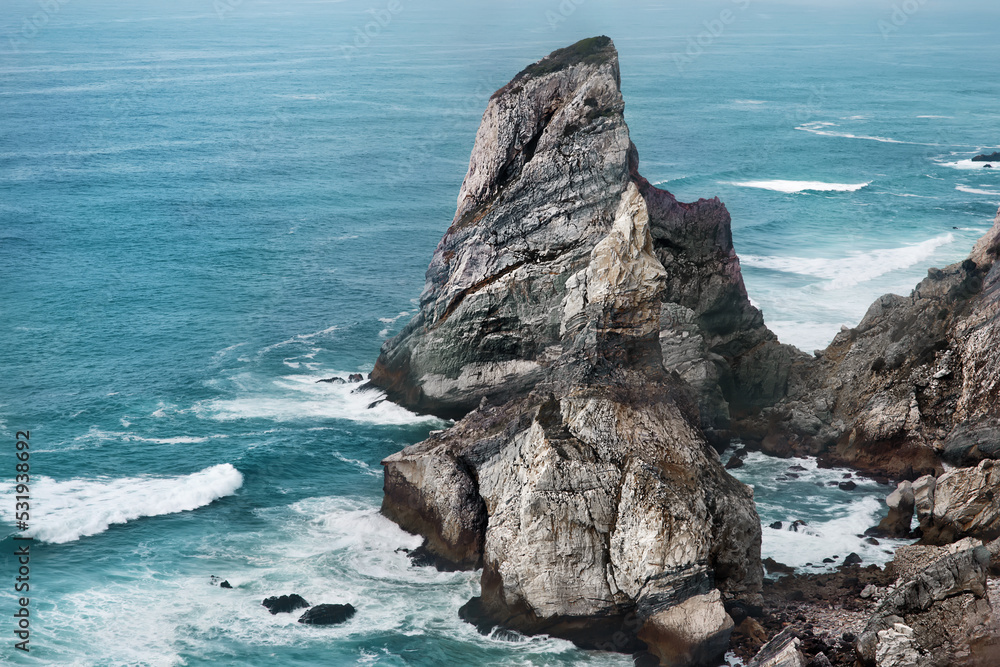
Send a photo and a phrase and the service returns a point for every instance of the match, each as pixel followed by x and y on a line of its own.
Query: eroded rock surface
pixel 915 384
pixel 941 609
pixel 563 311
pixel 551 164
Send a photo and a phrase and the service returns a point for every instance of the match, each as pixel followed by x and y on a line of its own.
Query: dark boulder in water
pixel 225 584
pixel 285 603
pixel 992 157
pixel 774 567
pixel 852 559
pixel 333 380
pixel 328 614
pixel 776 525
pixel 847 486
pixel 355 377
pixel 734 462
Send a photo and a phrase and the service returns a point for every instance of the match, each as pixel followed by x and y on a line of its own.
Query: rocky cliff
pixel 587 329
pixel 551 163
pixel 913 386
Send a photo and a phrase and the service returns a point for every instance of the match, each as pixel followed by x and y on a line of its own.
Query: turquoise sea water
pixel 207 206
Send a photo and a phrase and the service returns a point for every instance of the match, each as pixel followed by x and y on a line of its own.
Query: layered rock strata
pixel 551 163
pixel 913 386
pixel 585 326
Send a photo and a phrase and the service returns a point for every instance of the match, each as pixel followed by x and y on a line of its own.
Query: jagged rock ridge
pixel 912 387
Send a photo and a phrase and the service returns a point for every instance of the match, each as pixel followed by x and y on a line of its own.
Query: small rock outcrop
pixel 781 651
pixel 964 502
pixel 900 516
pixel 992 157
pixel 587 329
pixel 328 614
pixel 939 607
pixel 284 604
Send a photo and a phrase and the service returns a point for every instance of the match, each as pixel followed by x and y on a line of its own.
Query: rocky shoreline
pixel 594 340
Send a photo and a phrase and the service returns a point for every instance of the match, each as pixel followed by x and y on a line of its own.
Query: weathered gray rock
pixel 897 647
pixel 551 164
pixel 924 600
pixel 900 516
pixel 781 651
pixel 583 482
pixel 923 497
pixel 914 383
pixel 966 504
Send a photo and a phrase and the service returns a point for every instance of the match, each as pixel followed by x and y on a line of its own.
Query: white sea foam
pixel 296 397
pixel 327 549
pixel 364 467
pixel 976 191
pixel 65 511
pixel 823 129
pixel 802 186
pixel 857 267
pixel 968 164
pixel 835 519
pixel 389 321
pixel 297 338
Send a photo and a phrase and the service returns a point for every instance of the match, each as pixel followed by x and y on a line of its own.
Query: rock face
pixel 781 651
pixel 964 503
pixel 900 502
pixel 550 167
pixel 564 309
pixel 941 606
pixel 914 384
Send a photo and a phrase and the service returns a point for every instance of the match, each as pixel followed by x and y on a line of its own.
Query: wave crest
pixel 858 267
pixel 66 511
pixel 802 186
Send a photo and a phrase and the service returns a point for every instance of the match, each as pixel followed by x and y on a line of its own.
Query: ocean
pixel 207 206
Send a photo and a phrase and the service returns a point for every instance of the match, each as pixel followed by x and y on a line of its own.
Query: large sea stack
pixel 587 330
